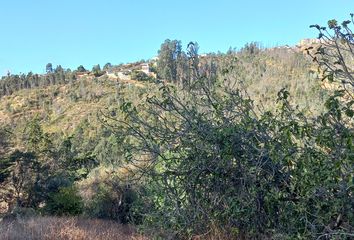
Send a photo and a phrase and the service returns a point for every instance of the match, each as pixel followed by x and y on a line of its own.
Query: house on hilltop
pixel 309 41
pixel 145 68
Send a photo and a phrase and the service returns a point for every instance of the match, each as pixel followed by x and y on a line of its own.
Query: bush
pixel 64 202
pixel 19 213
pixel 113 201
pixel 57 181
pixel 140 76
pixel 212 160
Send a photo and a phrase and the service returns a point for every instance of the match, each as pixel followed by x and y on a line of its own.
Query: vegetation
pixel 96 70
pixel 67 228
pixel 248 144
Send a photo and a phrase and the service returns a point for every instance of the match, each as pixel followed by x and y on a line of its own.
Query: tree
pixel 66 201
pixel 5 163
pixel 35 139
pixel 49 68
pixel 5 136
pixel 183 69
pixel 96 70
pixel 192 52
pixel 334 54
pixel 23 176
pixel 81 69
pixel 59 69
pixel 177 66
pixel 107 66
pixel 168 54
pixel 252 48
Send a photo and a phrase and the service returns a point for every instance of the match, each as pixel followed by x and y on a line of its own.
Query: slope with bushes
pixel 244 144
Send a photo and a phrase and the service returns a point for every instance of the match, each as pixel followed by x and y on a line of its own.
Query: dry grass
pixel 49 228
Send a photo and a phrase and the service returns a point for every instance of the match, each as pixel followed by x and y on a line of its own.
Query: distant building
pixel 145 68
pixel 81 74
pixel 309 41
pixel 304 44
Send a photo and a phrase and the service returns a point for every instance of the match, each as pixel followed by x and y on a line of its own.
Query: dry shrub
pixel 48 228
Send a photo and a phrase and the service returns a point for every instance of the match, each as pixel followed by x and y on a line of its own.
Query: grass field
pixel 49 228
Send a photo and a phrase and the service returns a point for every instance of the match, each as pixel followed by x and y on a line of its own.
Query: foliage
pixel 217 161
pixel 34 138
pixel 219 145
pixel 4 169
pixel 5 163
pixel 113 201
pixel 65 202
pixel 334 56
pixel 30 178
pixel 81 69
pixel 22 179
pixel 167 54
pixel 13 83
pixel 210 158
pixel 49 68
pixel 140 76
pixel 96 70
pixel 107 66
pixel 252 48
pixel 52 227
pixel 107 151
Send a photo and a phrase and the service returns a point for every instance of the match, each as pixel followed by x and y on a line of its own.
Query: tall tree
pixel 168 54
pixel 49 68
pixel 96 70
pixel 107 66
pixel 192 52
pixel 81 69
pixel 59 69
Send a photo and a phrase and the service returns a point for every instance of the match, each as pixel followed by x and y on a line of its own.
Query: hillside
pixel 62 106
pixel 71 105
pixel 241 143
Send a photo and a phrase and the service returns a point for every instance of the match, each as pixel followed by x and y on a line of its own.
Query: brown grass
pixel 48 228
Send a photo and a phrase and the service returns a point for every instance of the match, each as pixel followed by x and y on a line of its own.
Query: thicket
pixel 45 152
pixel 13 83
pixel 209 159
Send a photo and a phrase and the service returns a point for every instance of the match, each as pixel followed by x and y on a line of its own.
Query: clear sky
pixel 87 32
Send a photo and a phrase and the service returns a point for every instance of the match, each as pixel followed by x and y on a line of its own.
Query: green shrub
pixel 214 161
pixel 140 76
pixel 113 202
pixel 66 201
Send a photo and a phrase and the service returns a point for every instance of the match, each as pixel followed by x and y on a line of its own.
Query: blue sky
pixel 70 33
